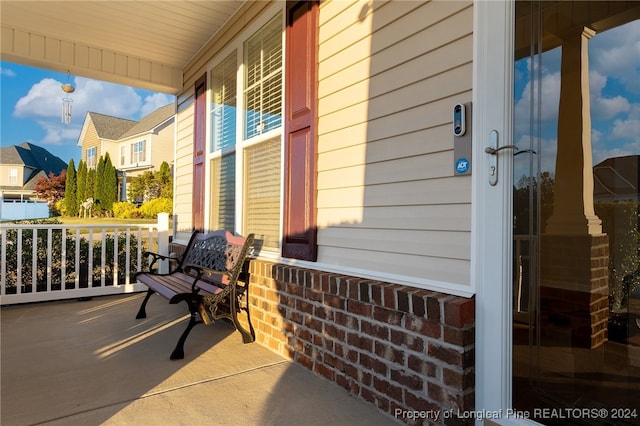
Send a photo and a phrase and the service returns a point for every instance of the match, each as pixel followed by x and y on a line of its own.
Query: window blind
pixel 223 192
pixel 262 192
pixel 263 79
pixel 223 103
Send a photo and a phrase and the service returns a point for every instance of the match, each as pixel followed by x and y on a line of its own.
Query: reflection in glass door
pixel 576 265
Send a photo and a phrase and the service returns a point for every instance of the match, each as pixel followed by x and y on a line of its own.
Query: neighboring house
pixel 333 130
pixel 617 179
pixel 134 146
pixel 21 166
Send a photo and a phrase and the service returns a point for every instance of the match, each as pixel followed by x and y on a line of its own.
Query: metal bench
pixel 207 279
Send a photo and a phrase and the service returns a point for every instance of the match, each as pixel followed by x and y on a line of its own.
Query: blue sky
pixel 32 104
pixel 614 80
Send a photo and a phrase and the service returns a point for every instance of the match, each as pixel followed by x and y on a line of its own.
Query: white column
pixel 573 212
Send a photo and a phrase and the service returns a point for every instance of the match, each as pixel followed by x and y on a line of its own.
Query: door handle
pixel 494 151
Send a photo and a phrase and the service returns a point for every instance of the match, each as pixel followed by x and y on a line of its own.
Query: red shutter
pixel 199 138
pixel 299 236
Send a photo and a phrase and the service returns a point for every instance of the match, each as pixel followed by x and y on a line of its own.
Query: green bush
pixel 150 209
pixel 621 223
pixel 124 210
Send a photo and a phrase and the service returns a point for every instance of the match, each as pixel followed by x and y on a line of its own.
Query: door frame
pixel 492 211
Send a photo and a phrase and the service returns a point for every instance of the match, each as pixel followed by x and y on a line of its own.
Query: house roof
pixel 617 178
pixel 151 121
pixel 109 127
pixel 39 160
pixel 32 156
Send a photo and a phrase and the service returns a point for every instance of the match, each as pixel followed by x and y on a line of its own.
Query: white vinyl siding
pixel 388 200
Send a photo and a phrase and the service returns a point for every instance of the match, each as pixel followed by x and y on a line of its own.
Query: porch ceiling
pixel 139 43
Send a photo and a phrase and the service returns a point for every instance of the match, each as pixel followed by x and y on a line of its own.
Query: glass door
pixel 576 237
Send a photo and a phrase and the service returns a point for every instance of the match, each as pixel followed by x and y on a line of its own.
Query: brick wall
pixel 399 348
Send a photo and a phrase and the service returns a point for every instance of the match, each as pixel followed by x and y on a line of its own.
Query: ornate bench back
pixel 218 251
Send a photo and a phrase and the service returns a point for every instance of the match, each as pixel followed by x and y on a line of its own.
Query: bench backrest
pixel 219 251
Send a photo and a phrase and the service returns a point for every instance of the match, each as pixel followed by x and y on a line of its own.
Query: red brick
pixel 391 354
pixel 387 316
pixel 387 389
pixel 459 312
pixel 451 356
pixel 458 380
pixel 408 380
pixel 304 361
pixel 373 364
pixel 433 308
pixel 360 342
pixel 324 371
pixel 410 341
pixel 423 327
pixel 334 301
pixel 347 320
pixel 374 329
pixel 389 297
pixel 334 332
pixel 459 337
pixel 421 366
pixel 359 308
pixel 313 295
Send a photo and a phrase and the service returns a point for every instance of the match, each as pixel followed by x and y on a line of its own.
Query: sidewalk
pixel 91 363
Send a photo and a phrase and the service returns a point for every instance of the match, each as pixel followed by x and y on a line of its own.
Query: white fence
pixel 52 262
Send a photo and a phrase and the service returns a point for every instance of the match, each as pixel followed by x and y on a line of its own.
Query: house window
pixel 223 103
pixel 245 144
pixel 122 154
pixel 263 79
pixel 13 176
pixel 91 157
pixel 138 152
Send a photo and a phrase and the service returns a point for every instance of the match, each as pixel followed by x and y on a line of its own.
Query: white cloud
pixel 614 53
pixel 549 98
pixel 606 108
pixel 153 102
pixel 7 72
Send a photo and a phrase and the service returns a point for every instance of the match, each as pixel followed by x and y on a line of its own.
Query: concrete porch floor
pixel 91 363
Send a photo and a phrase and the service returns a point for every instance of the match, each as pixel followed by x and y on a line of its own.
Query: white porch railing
pixel 57 261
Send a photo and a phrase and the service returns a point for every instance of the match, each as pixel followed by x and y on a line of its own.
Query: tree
pixel 91 182
pixel 70 191
pixel 149 185
pixel 98 189
pixel 51 188
pixel 166 180
pixel 110 185
pixel 81 178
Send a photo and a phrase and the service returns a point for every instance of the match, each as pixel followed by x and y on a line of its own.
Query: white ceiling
pixel 140 43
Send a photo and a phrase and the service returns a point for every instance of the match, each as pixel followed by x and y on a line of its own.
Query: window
pixel 91 157
pixel 245 143
pixel 122 154
pixel 13 176
pixel 138 151
pixel 263 79
pixel 223 103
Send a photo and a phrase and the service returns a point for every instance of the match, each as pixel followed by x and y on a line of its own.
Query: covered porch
pixel 90 362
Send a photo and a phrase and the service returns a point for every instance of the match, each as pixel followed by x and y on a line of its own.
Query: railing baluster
pixel 63 260
pixel 103 257
pixel 76 281
pixel 115 257
pixel 19 262
pixel 90 260
pixel 127 278
pixel 3 265
pixel 49 251
pixel 34 271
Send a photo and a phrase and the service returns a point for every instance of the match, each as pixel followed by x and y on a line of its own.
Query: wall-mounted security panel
pixel 461 129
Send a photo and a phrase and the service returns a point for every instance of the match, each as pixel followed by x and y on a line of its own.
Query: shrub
pixel 124 210
pixel 150 209
pixel 621 222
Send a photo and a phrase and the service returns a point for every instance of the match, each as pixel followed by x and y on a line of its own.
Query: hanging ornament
pixel 67 88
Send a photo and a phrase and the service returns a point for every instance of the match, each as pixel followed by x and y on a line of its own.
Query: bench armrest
pixel 200 271
pixel 157 257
